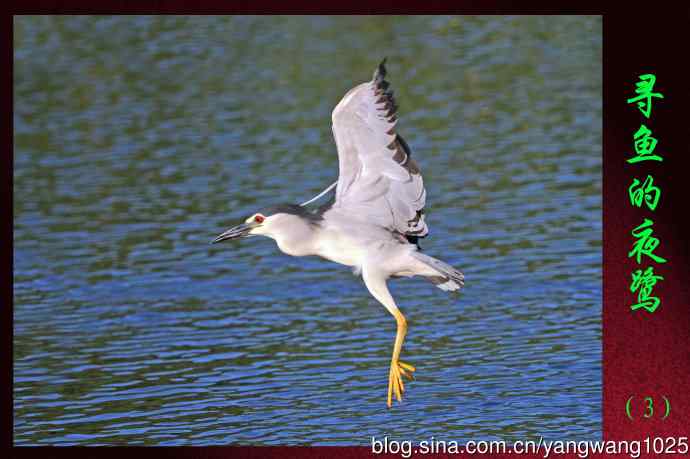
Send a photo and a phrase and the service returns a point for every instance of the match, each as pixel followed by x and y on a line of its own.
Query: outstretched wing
pixel 378 178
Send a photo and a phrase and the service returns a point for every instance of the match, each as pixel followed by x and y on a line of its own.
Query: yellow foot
pixel 395 382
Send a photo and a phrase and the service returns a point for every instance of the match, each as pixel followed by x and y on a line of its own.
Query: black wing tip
pixel 380 72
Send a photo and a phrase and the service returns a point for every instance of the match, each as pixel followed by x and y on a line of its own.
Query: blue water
pixel 139 139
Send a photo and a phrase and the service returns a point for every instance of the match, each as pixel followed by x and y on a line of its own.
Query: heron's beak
pixel 237 232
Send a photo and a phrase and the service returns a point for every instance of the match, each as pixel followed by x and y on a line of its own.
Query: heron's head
pixel 254 225
pixel 270 222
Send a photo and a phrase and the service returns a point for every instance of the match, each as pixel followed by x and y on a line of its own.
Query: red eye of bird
pixel 259 219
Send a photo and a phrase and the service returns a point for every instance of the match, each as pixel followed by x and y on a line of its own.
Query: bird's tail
pixel 441 274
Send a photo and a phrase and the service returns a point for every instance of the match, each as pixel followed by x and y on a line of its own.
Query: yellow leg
pixel 398 368
pixel 376 283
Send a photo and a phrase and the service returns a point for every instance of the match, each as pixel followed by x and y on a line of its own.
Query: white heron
pixel 374 222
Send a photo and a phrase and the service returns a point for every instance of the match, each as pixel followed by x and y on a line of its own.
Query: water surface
pixel 138 139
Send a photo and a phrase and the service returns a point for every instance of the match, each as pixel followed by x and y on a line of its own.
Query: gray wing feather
pixel 378 178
